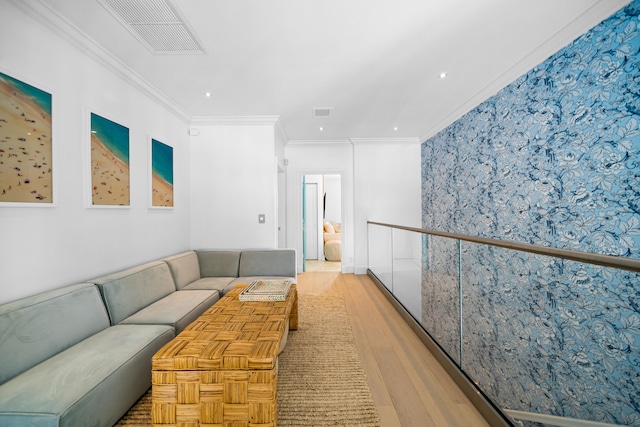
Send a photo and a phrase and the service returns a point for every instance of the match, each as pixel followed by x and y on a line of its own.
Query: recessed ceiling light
pixel 321 128
pixel 207 94
pixel 395 128
pixel 443 75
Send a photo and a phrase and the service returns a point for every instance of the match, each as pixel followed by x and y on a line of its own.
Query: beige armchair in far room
pixel 332 241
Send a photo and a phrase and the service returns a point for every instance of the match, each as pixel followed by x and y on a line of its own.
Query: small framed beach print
pixel 26 149
pixel 110 174
pixel 161 175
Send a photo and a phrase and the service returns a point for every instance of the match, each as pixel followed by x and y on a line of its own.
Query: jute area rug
pixel 321 381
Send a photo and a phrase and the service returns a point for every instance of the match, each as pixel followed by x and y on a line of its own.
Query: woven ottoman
pixel 222 369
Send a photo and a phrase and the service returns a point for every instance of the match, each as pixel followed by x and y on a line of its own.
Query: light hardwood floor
pixel 408 385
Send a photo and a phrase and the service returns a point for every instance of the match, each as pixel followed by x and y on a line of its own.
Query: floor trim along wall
pixel 490 411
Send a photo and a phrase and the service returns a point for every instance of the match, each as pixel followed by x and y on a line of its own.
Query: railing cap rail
pixel 586 257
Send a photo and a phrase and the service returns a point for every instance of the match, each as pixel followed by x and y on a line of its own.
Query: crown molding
pixel 51 19
pixel 386 141
pixel 574 29
pixel 235 120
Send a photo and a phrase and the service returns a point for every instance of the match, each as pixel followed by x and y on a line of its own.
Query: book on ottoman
pixel 266 290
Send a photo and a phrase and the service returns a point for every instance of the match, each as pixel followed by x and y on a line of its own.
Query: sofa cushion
pixel 130 290
pixel 328 237
pixel 36 328
pixel 178 309
pixel 270 262
pixel 211 283
pixel 91 383
pixel 215 263
pixel 184 267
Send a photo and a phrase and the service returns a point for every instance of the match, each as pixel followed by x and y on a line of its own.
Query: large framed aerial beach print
pixel 110 175
pixel 161 174
pixel 26 151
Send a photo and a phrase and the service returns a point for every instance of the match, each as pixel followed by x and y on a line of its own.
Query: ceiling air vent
pixel 157 24
pixel 322 112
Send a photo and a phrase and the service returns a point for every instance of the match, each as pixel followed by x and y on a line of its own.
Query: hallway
pixel 408 385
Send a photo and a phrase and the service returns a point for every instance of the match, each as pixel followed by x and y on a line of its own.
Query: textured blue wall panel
pixel 552 159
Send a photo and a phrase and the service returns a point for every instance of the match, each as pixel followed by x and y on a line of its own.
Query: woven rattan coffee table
pixel 221 370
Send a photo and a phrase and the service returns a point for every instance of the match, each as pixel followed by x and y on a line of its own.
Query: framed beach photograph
pixel 110 174
pixel 161 175
pixel 26 148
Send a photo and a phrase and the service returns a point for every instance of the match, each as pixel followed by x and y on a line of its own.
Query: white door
pixel 311 215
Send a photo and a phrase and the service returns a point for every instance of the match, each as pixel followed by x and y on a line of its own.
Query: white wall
pixel 281 189
pixel 223 178
pixel 387 188
pixel 307 158
pixel 333 190
pixel 233 180
pixel 42 248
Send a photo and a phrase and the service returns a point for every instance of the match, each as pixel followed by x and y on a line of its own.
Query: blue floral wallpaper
pixel 552 159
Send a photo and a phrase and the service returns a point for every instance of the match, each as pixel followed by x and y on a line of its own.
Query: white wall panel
pixel 43 248
pixel 233 179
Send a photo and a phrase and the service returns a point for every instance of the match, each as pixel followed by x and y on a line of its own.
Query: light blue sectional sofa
pixel 81 355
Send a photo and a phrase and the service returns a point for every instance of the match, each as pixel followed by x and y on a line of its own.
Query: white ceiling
pixel 376 62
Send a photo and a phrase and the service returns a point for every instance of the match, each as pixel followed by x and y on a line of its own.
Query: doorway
pixel 321 216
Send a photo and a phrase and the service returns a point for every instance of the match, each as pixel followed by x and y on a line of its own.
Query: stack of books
pixel 266 290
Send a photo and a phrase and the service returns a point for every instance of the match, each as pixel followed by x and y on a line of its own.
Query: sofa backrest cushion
pixel 36 328
pixel 268 262
pixel 215 263
pixel 131 290
pixel 184 268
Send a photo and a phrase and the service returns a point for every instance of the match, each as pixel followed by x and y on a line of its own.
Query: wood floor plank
pixel 408 385
pixel 392 329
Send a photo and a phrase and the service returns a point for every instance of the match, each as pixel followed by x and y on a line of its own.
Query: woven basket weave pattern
pixel 221 370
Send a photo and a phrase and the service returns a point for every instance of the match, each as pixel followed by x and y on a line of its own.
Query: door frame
pixel 301 174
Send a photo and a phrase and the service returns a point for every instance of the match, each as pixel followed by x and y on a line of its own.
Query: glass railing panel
pixel 407 269
pixel 380 254
pixel 550 336
pixel 441 293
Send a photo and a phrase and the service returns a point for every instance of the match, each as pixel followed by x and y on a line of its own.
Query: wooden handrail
pixel 629 264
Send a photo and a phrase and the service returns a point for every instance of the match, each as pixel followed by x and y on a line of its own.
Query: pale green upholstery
pixel 35 328
pixel 268 262
pixel 184 267
pixel 178 309
pixel 220 268
pixel 217 283
pixel 147 294
pixel 90 384
pixel 131 290
pixel 81 355
pixel 214 263
pixel 62 364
